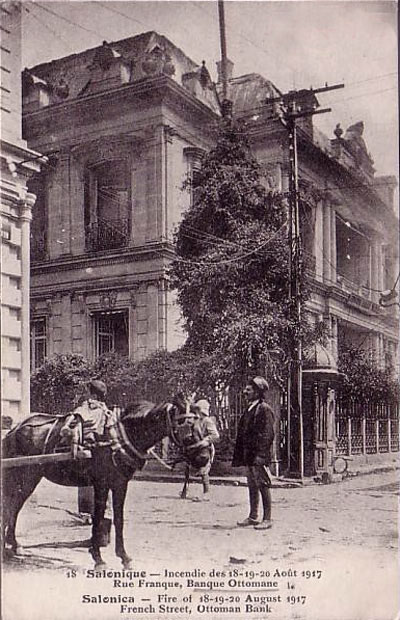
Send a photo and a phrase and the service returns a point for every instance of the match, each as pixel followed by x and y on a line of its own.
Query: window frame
pixel 97 332
pixel 35 338
pixel 92 218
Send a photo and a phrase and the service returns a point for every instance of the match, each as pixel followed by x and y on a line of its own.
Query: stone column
pixel 319 244
pixel 334 337
pixel 152 318
pixel 167 180
pixel 154 190
pixel 77 215
pixel 133 340
pixel 374 270
pixel 380 267
pixel 333 253
pixel 59 207
pixel 27 202
pixel 162 313
pixel 326 243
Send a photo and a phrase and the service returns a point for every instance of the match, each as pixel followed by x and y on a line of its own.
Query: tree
pixel 231 270
pixel 363 381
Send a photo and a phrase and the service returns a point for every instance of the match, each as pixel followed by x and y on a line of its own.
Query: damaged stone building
pixel 123 126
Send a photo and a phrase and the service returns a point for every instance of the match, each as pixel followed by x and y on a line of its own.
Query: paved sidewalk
pixel 154 472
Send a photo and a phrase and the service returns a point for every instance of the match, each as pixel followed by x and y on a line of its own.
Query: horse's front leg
pixel 100 500
pixel 118 496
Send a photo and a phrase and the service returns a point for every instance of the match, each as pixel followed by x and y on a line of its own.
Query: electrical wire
pixel 42 23
pixel 248 111
pixel 370 94
pixel 115 11
pixel 235 258
pixel 68 21
pixel 213 238
pixel 258 108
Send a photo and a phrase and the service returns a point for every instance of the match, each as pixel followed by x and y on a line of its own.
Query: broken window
pixel 107 196
pixel 111 333
pixel 353 254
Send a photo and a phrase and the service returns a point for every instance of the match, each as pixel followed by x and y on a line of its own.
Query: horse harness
pixel 120 443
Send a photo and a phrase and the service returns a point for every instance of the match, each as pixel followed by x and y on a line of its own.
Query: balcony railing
pixel 349 286
pixel 107 234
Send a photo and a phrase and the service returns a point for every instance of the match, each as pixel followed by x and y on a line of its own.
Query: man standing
pixel 253 450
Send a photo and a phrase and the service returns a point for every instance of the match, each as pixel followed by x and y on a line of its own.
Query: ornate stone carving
pixel 157 61
pixel 108 300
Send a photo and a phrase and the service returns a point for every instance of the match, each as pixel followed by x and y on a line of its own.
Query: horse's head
pixel 183 420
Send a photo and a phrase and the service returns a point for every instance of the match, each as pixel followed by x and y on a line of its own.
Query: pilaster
pixel 326 243
pixel 26 204
pixel 155 175
pixel 152 318
pixel 333 250
pixel 59 208
pixel 77 207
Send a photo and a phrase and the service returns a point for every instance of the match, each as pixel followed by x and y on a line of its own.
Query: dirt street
pixel 335 544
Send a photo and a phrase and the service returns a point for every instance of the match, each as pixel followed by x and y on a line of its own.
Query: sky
pixel 293 43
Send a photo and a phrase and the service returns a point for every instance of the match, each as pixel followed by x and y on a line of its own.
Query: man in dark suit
pixel 253 450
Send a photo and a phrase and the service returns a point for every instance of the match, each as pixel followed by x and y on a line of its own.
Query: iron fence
pixel 366 428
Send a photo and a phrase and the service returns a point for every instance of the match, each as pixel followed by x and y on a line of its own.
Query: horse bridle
pixel 145 456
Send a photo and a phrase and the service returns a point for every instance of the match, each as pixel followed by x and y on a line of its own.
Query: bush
pixel 60 383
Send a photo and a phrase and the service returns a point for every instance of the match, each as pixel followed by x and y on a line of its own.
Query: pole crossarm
pixel 297 95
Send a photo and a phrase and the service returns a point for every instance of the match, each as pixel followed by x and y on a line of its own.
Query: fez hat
pixel 260 384
pixel 98 387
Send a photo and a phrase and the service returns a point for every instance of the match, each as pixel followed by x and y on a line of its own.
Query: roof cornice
pixel 161 86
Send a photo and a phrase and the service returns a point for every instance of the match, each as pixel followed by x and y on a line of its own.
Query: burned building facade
pixel 124 125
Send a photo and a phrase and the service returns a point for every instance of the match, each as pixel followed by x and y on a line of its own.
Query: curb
pixel 231 481
pixel 277 483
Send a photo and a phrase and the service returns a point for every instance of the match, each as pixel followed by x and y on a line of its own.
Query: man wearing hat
pixel 253 450
pixel 96 417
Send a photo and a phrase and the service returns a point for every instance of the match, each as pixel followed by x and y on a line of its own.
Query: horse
pixel 139 427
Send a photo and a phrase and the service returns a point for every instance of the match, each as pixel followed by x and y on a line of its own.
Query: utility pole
pixel 295 105
pixel 226 104
pixel 222 35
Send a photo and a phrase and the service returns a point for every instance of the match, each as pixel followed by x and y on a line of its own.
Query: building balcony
pixel 107 235
pixel 354 288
